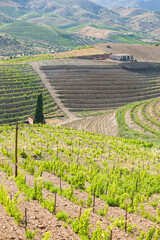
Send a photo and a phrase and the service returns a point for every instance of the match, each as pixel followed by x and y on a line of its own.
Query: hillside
pixel 101 86
pixel 57 26
pixel 20 86
pixel 68 178
pixel 151 5
pixel 11 47
pixel 141 21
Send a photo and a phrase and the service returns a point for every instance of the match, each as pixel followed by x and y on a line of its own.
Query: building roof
pixel 121 55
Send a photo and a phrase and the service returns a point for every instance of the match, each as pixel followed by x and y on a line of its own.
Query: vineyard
pixel 135 120
pixel 140 119
pixel 85 85
pixel 75 182
pixel 78 185
pixel 102 124
pixel 20 86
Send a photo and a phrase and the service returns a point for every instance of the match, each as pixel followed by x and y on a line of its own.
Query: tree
pixel 39 117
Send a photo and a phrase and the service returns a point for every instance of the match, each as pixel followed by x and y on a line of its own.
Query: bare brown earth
pixel 131 124
pixel 141 53
pixel 81 52
pixel 38 218
pixel 94 32
pixel 43 221
pixel 103 124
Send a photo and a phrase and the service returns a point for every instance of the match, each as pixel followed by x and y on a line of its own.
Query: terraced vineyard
pixel 141 119
pixel 78 185
pixel 88 85
pixel 103 124
pixel 20 86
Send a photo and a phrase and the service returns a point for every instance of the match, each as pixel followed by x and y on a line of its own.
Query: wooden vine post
pixel 80 212
pixel 111 235
pixel 126 219
pixel 60 183
pixel 25 222
pixel 132 198
pixel 94 200
pixel 55 201
pixel 16 155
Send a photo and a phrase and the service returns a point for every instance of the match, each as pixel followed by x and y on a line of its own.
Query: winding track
pixel 78 85
pixel 51 90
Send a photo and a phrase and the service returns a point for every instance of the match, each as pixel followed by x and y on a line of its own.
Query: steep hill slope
pixel 141 20
pixel 20 86
pixel 151 5
pixel 69 8
pixel 53 26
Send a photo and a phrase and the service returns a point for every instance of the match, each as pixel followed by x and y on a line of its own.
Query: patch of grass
pixel 76 28
pixel 84 47
pixel 131 39
pixel 49 15
pixel 62 216
pixel 30 15
pixel 34 58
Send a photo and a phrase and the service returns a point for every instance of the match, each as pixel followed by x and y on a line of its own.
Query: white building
pixel 122 57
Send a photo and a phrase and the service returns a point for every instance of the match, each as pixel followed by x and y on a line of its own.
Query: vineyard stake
pixel 126 219
pixel 136 185
pixel 111 235
pixel 25 219
pixel 93 201
pixel 16 146
pixel 57 149
pixel 80 212
pixel 107 188
pixel 55 200
pixel 60 184
pixel 132 197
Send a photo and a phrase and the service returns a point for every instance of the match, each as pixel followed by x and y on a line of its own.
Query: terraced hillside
pixel 19 87
pixel 141 119
pixel 102 124
pixel 78 185
pixel 90 85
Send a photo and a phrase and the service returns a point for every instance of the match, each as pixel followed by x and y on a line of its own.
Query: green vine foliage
pixel 11 206
pixel 100 234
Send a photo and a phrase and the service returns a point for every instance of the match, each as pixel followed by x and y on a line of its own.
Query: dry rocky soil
pixel 43 221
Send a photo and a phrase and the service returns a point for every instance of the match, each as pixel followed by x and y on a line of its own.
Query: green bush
pixel 62 216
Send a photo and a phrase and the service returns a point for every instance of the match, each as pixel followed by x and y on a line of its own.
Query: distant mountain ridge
pixel 72 9
pixel 151 5
pixel 60 25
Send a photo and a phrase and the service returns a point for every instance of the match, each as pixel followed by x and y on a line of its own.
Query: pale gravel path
pixel 110 126
pixel 52 92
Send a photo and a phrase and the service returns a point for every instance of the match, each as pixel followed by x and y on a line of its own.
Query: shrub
pixel 62 216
